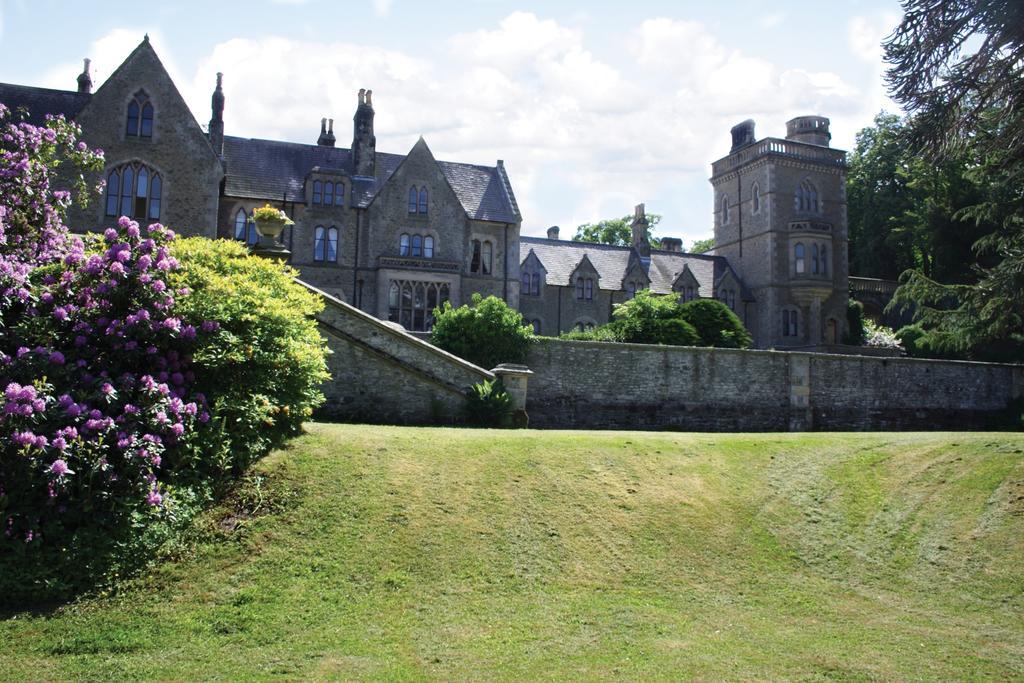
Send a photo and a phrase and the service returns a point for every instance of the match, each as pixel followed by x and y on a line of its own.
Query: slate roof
pixel 273 170
pixel 42 101
pixel 560 258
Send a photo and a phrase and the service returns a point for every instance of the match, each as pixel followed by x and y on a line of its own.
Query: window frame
pixel 799 258
pixel 319 243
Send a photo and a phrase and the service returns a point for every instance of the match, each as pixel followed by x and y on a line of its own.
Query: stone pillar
pixel 515 379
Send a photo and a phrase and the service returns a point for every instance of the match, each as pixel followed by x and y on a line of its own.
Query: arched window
pixel 428 247
pixel 317 191
pixel 799 258
pixel 332 245
pixel 403 245
pixel 328 194
pixel 806 198
pixel 725 210
pixel 525 289
pixel 134 190
pixel 413 199
pixel 139 121
pixel 241 224
pixel 814 259
pixel 319 243
pixel 488 257
pixel 535 284
pixel 417 246
pixel 474 263
pixel 755 198
pixel 790 324
pixel 824 260
pixel 412 304
pixel 423 200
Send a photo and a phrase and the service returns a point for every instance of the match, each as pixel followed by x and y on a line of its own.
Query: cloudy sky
pixel 594 106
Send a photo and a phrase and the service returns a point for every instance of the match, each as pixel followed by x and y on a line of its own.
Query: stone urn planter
pixel 269 224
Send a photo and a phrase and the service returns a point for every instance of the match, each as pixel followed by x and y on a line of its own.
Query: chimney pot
pixel 553 232
pixel 369 98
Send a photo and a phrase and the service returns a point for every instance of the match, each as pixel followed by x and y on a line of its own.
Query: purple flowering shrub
pixel 127 398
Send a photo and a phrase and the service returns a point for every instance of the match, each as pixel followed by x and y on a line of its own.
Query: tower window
pixel 799 258
pixel 725 210
pixel 806 198
pixel 414 200
pixel 423 200
pixel 755 198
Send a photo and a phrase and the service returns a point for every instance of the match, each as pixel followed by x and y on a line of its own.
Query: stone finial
pixel 369 98
pixel 362 96
pixel 84 79
pixel 553 232
pixel 217 101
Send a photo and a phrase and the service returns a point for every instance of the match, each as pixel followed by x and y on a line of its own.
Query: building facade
pixel 396 235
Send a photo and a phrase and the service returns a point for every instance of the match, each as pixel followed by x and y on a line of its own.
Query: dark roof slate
pixel 42 101
pixel 273 170
pixel 561 257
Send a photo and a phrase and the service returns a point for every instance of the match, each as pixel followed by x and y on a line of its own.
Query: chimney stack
pixel 553 232
pixel 84 79
pixel 364 142
pixel 671 244
pixel 217 117
pixel 640 241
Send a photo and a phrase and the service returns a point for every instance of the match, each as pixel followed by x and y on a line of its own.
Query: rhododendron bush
pixel 136 374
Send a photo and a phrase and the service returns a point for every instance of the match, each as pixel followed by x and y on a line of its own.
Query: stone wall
pixel 630 386
pixel 381 374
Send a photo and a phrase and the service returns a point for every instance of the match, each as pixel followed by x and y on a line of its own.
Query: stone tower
pixel 364 142
pixel 780 219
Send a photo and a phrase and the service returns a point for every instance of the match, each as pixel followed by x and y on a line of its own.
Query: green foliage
pixel 652 319
pixel 616 231
pixel 486 333
pixel 701 246
pixel 263 369
pixel 854 335
pixel 488 405
pixel 602 333
pixel 716 324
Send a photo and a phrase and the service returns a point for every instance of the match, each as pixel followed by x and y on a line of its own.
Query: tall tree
pixel 616 231
pixel 958 69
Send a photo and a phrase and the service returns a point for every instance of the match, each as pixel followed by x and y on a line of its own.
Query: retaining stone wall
pixel 594 385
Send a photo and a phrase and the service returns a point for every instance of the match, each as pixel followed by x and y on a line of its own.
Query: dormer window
pixel 140 116
pixel 318 188
pixel 585 288
pixel 328 193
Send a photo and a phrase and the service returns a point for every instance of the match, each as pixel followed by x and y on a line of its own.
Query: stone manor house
pixel 395 234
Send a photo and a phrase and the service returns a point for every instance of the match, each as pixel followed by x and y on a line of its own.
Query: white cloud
pixel 382 7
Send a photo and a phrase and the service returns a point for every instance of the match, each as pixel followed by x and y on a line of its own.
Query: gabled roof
pixel 273 170
pixel 42 101
pixel 560 258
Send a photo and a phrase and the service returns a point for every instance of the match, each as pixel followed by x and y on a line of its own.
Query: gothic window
pixel 403 245
pixel 755 197
pixel 806 198
pixel 725 209
pixel 413 199
pixel 814 259
pixel 689 293
pixel 319 238
pixel 412 304
pixel 417 246
pixel 423 200
pixel 579 288
pixel 525 288
pixel 317 191
pixel 824 260
pixel 328 194
pixel 428 247
pixel 728 297
pixel 245 228
pixel 134 190
pixel 325 244
pixel 488 255
pixel 140 116
pixel 799 258
pixel 474 264
pixel 535 284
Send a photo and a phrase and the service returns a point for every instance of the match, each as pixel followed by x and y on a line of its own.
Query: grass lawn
pixel 438 554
